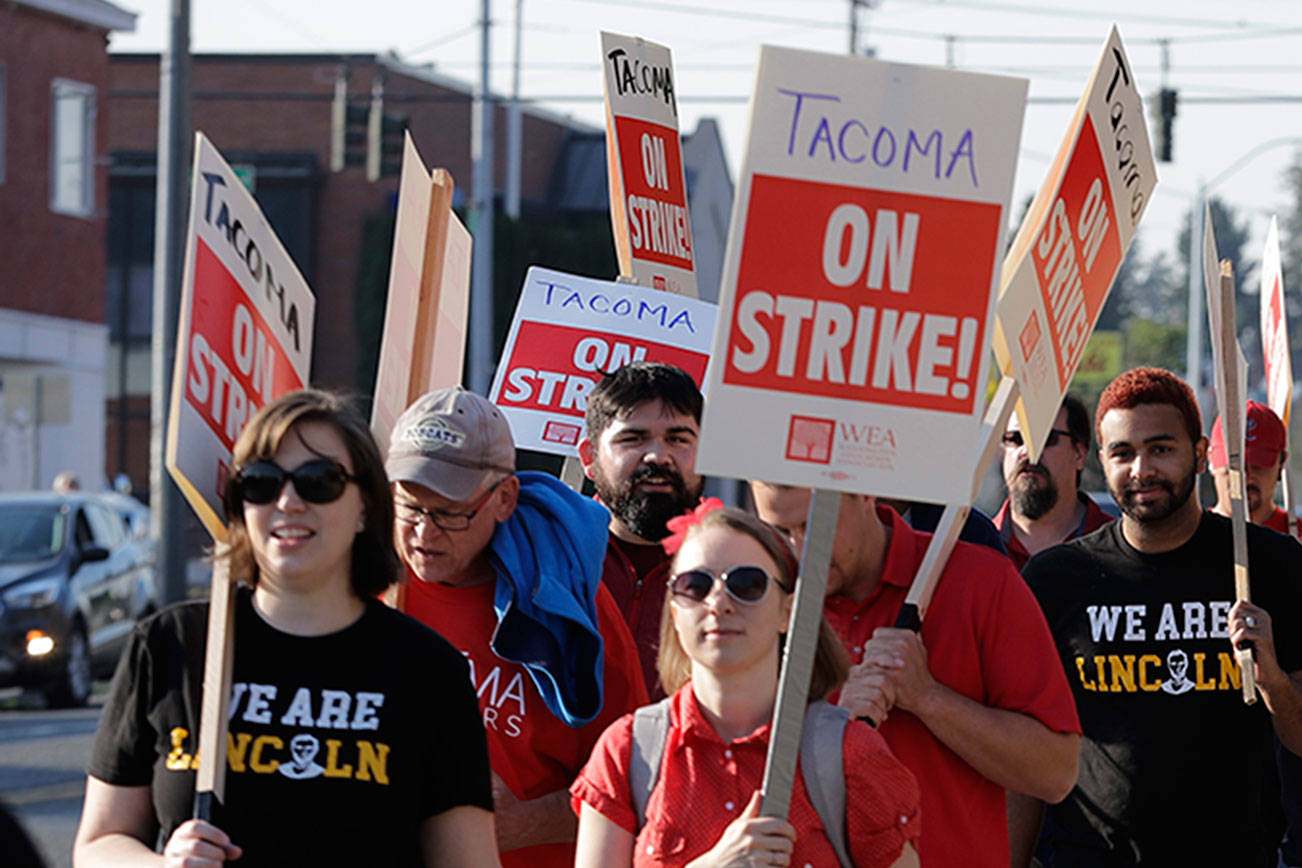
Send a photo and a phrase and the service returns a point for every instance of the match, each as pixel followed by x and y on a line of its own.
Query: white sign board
pixel 244 334
pixel 1274 328
pixel 859 279
pixel 644 156
pixel 1062 263
pixel 569 331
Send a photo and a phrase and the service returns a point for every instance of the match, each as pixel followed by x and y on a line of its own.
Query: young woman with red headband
pixel 729 601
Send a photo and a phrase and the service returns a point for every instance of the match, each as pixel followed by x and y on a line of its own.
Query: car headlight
pixel 32 595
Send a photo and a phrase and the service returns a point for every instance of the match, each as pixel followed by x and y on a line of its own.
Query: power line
pixel 1077 12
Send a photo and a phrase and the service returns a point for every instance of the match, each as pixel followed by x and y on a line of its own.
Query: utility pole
pixel 167 506
pixel 514 124
pixel 481 281
pixel 854 27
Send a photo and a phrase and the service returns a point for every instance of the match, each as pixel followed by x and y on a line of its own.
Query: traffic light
pixel 384 133
pixel 1164 111
pixel 348 124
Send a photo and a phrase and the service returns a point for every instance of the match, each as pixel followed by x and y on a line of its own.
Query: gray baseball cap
pixel 450 441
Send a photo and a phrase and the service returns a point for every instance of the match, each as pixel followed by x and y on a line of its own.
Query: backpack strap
pixel 822 767
pixel 650 730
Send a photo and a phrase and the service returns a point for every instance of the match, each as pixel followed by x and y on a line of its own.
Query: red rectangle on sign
pixel 554 367
pixel 651 160
pixel 234 365
pixel 1077 253
pixel 559 432
pixel 863 295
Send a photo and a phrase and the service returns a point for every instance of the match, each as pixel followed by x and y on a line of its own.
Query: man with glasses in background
pixel 1045 505
pixel 507 567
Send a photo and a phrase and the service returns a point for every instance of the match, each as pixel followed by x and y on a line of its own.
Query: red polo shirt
pixel 705 783
pixel 986 638
pixel 1278 521
pixel 531 749
pixel 1094 519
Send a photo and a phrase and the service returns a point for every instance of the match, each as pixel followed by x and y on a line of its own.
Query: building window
pixel 72 165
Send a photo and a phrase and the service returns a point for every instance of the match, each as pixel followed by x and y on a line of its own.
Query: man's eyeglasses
pixel 746 584
pixel 1013 439
pixel 410 513
pixel 317 481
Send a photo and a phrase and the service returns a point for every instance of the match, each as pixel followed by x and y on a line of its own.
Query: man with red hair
pixel 1174 768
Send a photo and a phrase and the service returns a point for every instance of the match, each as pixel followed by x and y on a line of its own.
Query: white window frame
pixel 59 88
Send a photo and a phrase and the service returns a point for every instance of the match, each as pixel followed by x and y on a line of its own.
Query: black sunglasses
pixel 1013 439
pixel 317 481
pixel 746 584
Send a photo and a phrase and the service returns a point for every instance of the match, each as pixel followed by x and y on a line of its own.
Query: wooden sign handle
pixel 798 658
pixel 218 666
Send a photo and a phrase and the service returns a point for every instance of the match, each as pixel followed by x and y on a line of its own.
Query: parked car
pixel 74 578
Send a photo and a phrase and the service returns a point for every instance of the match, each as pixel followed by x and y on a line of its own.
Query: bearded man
pixel 1045 505
pixel 643 424
pixel 1145 605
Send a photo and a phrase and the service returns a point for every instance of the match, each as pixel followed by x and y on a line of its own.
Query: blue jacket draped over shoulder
pixel 548 558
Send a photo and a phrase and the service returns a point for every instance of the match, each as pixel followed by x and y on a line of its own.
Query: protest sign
pixel 644 156
pixel 859 278
pixel 1276 355
pixel 568 331
pixel 424 338
pixel 1060 268
pixel 244 333
pixel 1231 371
pixel 244 337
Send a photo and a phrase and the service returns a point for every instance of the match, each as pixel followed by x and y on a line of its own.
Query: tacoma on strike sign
pixel 850 349
pixel 644 156
pixel 569 331
pixel 244 334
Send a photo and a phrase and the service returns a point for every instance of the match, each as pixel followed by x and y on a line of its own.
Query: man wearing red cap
pixel 1264 454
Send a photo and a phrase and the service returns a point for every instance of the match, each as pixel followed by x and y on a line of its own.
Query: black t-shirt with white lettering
pixel 340 745
pixel 1174 768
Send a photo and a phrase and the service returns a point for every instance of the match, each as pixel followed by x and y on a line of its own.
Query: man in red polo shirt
pixel 643 424
pixel 972 705
pixel 507 567
pixel 1045 505
pixel 1264 455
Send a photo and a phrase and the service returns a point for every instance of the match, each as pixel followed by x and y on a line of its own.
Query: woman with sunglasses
pixel 720 649
pixel 355 736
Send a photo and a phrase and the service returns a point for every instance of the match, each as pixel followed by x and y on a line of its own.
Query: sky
pixel 1236 65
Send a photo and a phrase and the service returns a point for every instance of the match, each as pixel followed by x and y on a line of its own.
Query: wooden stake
pixel 214 716
pixel 798 658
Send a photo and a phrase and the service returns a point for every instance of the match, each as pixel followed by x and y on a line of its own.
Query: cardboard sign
pixel 424 339
pixel 1274 329
pixel 244 334
pixel 1062 263
pixel 569 331
pixel 644 158
pixel 859 279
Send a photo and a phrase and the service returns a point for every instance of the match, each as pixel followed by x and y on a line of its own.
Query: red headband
pixel 680 524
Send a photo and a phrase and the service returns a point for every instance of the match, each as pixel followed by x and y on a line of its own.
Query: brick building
pixel 54 73
pixel 271 115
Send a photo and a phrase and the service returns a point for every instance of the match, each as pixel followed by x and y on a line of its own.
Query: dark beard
pixel 645 513
pixel 1178 494
pixel 1033 496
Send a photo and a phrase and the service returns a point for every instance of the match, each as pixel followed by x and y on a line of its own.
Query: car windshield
pixel 30 532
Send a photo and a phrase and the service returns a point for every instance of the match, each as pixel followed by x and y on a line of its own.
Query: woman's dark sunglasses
pixel 318 481
pixel 747 584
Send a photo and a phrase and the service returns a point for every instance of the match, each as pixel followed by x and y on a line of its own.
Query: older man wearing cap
pixel 1264 455
pixel 507 566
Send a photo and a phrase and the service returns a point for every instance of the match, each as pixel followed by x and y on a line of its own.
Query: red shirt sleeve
pixel 882 812
pixel 603 782
pixel 1020 664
